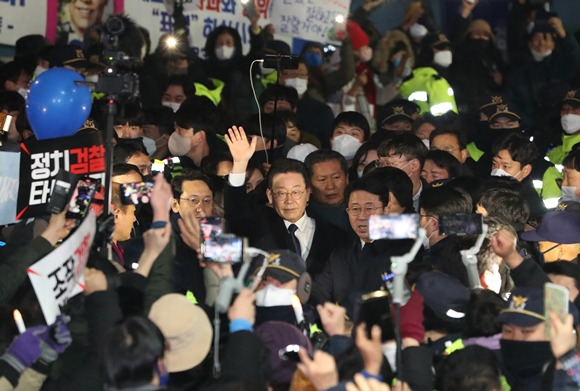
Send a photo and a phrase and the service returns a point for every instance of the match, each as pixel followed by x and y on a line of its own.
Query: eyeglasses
pixel 282 195
pixel 195 202
pixel 369 210
pixel 383 162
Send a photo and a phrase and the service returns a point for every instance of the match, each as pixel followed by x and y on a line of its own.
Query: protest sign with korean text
pixel 60 275
pixel 81 154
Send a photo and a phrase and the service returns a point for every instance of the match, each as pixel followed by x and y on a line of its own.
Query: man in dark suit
pixel 355 267
pixel 285 225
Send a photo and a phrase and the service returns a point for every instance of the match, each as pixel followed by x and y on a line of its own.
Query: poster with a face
pixel 76 17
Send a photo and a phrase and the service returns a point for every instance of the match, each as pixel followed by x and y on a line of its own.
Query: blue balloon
pixel 56 106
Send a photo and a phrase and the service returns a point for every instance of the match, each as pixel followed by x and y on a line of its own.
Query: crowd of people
pixel 411 122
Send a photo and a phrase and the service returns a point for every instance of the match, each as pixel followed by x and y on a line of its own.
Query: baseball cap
pixel 525 308
pixel 446 300
pixel 400 109
pixel 558 226
pixel 436 41
pixel 301 151
pixel 70 55
pixel 572 98
pixel 186 328
pixel 277 335
pixel 503 110
pixel 283 265
pixel 488 104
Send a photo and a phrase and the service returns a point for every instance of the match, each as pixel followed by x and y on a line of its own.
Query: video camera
pixel 118 79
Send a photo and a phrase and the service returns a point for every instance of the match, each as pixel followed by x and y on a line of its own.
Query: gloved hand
pixel 44 342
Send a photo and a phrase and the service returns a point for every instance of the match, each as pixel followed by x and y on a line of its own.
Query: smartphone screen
pixel 555 300
pixel 225 248
pixel 393 226
pixel 136 193
pixel 211 227
pixel 81 198
pixel 374 308
pixel 460 224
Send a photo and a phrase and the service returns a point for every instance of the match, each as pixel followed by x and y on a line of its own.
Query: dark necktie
pixel 292 228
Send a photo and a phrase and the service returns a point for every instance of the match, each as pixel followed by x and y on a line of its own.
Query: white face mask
pixel 346 145
pixel 92 78
pixel 149 145
pixel 570 123
pixel 443 58
pixel 272 296
pixel 406 71
pixel 173 105
pixel 23 92
pixel 224 52
pixel 39 70
pixel 359 173
pixel 539 57
pixel 426 142
pixel 178 145
pixel 418 31
pixel 301 85
pixel 500 172
pixel 366 53
pixel 427 238
pixel 569 193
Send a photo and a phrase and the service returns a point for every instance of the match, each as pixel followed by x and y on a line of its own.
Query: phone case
pixel 555 300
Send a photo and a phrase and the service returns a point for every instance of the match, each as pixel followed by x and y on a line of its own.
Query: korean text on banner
pixel 40 160
pixel 307 19
pixel 202 17
pixel 60 275
pixel 9 162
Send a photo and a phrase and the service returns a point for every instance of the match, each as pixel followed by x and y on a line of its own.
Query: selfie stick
pixel 399 268
pixel 469 258
pixel 228 286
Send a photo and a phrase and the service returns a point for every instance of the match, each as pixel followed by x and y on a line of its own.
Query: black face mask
pixel 478 45
pixel 485 136
pixel 524 361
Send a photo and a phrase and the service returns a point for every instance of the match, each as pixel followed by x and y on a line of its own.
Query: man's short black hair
pixel 324 155
pixel 280 92
pixel 162 117
pixel 285 166
pixel 197 113
pixel 180 80
pixel 189 175
pixel 506 203
pixel 458 133
pixel 252 127
pixel 130 113
pixel 130 353
pixel 403 144
pixel 572 160
pixel 471 368
pixel 371 184
pixel 124 168
pixel 520 149
pixel 396 182
pixel 353 118
pixel 444 200
pixel 125 148
pixel 564 268
pixel 446 161
pixel 11 71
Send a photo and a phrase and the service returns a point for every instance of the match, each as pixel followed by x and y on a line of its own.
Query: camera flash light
pixel 339 19
pixel 171 42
